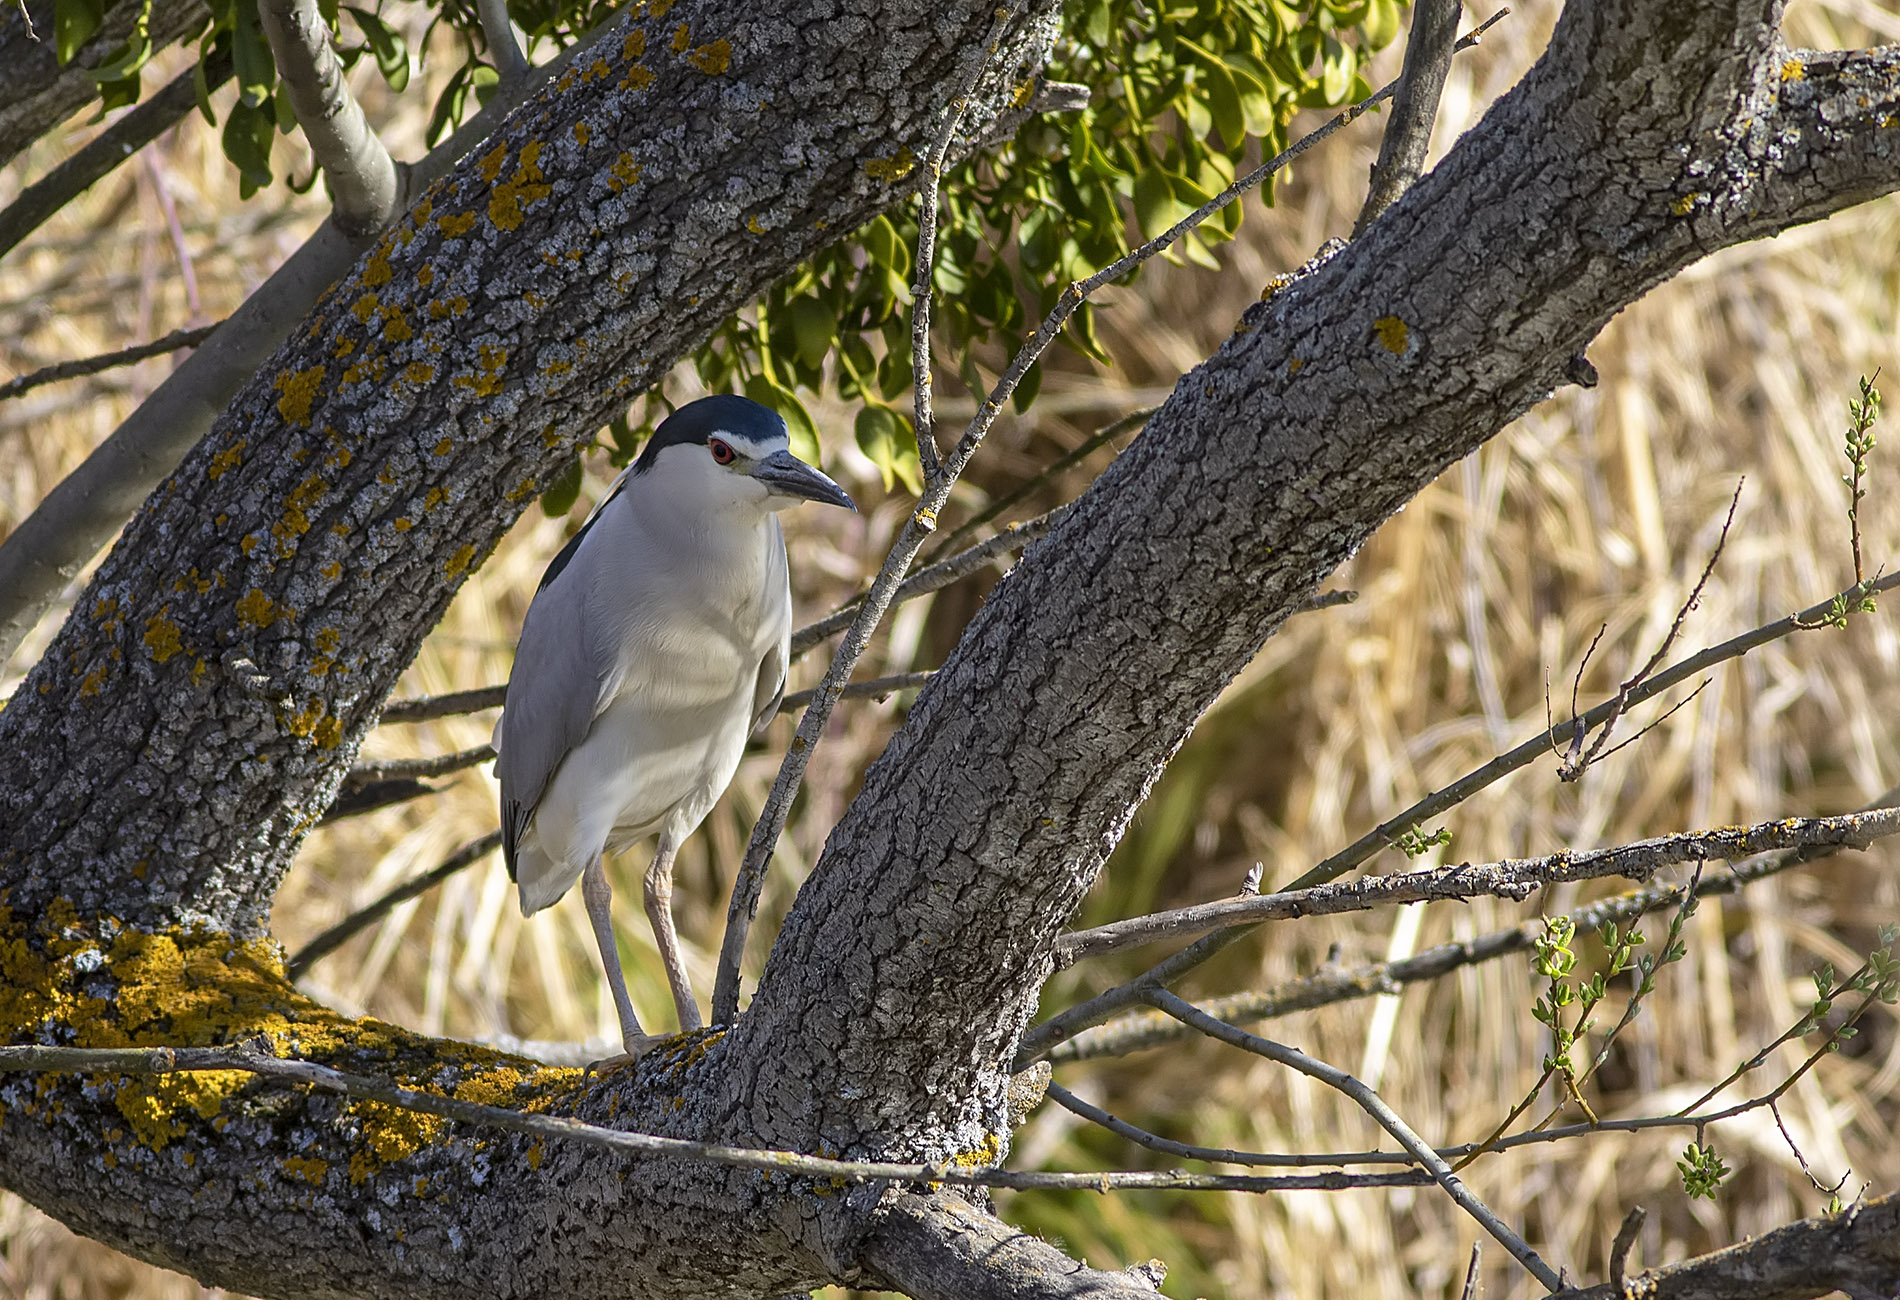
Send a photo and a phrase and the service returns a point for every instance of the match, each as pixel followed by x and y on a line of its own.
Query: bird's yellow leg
pixel 659 901
pixel 599 897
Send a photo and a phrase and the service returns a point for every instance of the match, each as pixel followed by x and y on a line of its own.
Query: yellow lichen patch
pixel 623 173
pixel 396 326
pixel 308 1168
pixel 985 1154
pixel 582 134
pixel 1392 334
pixel 162 640
pixel 753 224
pixel 257 610
pixel 390 1133
pixel 418 373
pixel 535 1154
pixel 632 46
pixel 660 7
pixel 1793 70
pixel 421 214
pixel 339 456
pixel 249 544
pixel 456 224
pixel 894 168
pixel 494 1087
pixel 1683 206
pixel 524 488
pixel 564 82
pixel 299 393
pixel 444 446
pixel 328 733
pixel 376 269
pixel 364 308
pixel 90 684
pixel 524 189
pixel 426 276
pixel 681 39
pixel 331 571
pixel 435 497
pixel 459 561
pixel 493 161
pixel 713 58
pixel 556 368
pixel 1294 365
pixel 638 77
pixel 228 459
pixel 304 721
pixel 1022 92
pixel 343 348
pixel 404 524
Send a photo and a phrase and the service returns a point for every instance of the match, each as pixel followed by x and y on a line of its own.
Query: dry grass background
pixel 1599 508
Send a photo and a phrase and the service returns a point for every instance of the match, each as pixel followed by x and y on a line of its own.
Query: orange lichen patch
pixel 681 39
pixel 459 561
pixel 162 639
pixel 712 59
pixel 623 173
pixel 1392 334
pixel 255 609
pixel 456 224
pixel 299 393
pixel 894 168
pixel 228 459
pixel 523 190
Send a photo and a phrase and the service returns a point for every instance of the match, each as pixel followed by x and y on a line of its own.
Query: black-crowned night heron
pixel 655 645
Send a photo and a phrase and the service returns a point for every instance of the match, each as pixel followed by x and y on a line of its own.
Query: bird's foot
pixel 637 1045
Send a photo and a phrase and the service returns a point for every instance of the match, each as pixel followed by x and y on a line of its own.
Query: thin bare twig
pixel 1129 423
pixel 172 342
pixel 1147 1029
pixel 1167 1146
pixel 1577 762
pixel 255 1057
pixel 1515 879
pixel 361 919
pixel 1373 1105
pixel 1408 134
pixel 415 769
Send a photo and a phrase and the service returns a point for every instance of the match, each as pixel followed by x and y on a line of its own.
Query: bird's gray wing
pixel 769 688
pixel 559 685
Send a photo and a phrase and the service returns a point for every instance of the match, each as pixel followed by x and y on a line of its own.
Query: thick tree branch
pixel 1856 1252
pixel 38 92
pixel 365 188
pixel 940 1247
pixel 112 146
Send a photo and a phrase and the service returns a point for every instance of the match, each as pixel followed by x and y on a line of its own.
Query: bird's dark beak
pixel 787 475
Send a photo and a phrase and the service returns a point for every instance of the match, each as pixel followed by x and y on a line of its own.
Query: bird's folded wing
pixel 561 682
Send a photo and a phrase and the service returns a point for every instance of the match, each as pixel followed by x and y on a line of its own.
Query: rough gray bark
pixel 37 94
pixel 158 768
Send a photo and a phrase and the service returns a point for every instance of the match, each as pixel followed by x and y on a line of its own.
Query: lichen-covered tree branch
pixel 200 707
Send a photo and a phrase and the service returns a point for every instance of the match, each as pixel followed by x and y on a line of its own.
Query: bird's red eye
pixel 720 451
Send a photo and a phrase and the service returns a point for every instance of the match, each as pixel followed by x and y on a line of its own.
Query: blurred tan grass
pixel 1597 509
